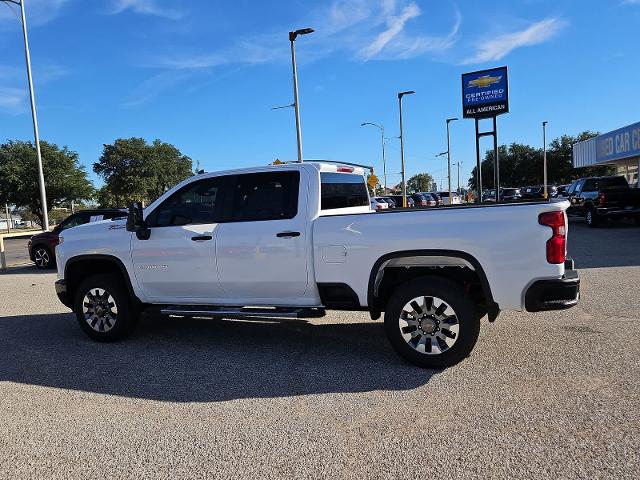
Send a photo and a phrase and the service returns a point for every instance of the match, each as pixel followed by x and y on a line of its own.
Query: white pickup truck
pixel 295 240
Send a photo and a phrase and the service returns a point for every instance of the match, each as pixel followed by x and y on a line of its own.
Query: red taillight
pixel 423 203
pixel 54 241
pixel 557 244
pixel 602 200
pixel 343 169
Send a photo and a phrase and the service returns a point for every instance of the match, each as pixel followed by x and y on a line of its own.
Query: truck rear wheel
pixel 104 309
pixel 431 322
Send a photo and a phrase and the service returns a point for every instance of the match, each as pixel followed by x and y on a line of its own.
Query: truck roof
pixel 322 166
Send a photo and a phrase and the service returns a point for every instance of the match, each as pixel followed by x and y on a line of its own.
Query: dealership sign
pixel 485 93
pixel 621 143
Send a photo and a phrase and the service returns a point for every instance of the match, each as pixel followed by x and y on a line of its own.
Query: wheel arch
pixel 94 264
pixel 430 258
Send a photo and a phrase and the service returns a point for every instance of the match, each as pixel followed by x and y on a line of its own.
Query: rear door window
pixel 265 196
pixel 342 190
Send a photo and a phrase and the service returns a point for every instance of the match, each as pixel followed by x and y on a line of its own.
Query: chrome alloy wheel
pixel 41 258
pixel 429 325
pixel 99 309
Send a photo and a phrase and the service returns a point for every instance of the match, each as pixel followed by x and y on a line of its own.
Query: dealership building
pixel 619 148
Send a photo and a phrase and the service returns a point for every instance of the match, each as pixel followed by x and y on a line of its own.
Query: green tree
pixel 420 182
pixel 134 170
pixel 65 179
pixel 522 165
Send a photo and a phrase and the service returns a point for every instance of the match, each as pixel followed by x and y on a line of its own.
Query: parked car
pixel 537 192
pixel 213 245
pixel 602 198
pixel 398 200
pixel 561 189
pixel 510 194
pixel 42 245
pixel 444 196
pixel 424 199
pixel 378 204
pixel 390 203
pixel 489 196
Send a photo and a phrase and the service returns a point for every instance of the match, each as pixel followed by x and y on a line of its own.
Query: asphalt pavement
pixel 16 251
pixel 549 395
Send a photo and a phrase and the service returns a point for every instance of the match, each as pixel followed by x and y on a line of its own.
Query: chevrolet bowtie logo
pixel 484 81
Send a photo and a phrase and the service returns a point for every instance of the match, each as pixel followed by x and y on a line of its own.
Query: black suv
pixel 42 245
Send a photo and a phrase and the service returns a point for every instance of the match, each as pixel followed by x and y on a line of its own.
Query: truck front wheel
pixel 104 308
pixel 431 322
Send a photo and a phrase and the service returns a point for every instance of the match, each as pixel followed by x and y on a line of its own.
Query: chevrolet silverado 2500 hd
pixel 294 240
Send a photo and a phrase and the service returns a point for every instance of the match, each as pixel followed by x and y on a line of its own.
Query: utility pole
pixel 43 195
pixel 6 210
pixel 296 100
pixel 458 164
pixel 449 120
pixel 384 160
pixel 404 183
pixel 544 158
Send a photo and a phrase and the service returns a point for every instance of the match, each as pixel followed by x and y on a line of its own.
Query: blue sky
pixel 204 75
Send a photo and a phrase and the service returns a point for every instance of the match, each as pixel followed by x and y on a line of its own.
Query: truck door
pixel 261 249
pixel 177 261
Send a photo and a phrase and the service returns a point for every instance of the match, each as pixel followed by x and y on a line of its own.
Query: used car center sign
pixel 485 93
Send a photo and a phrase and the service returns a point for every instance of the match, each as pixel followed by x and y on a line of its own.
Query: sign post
pixel 485 94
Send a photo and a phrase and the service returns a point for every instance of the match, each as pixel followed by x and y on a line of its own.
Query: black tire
pixel 43 257
pixel 468 321
pixel 106 327
pixel 591 218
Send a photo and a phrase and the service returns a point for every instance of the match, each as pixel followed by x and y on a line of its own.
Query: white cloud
pixel 152 87
pixel 146 7
pixel 502 45
pixel 395 25
pixel 38 12
pixel 364 29
pixel 12 99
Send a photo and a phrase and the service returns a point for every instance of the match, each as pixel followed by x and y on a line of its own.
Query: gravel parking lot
pixel 553 395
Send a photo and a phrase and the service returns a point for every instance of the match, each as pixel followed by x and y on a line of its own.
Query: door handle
pixel 288 234
pixel 201 238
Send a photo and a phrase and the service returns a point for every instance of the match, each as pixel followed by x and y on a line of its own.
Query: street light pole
pixel 449 120
pixel 296 101
pixel 404 184
pixel 384 160
pixel 34 116
pixel 458 164
pixel 544 157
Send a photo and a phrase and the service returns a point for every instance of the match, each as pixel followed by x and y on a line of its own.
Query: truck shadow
pixel 191 360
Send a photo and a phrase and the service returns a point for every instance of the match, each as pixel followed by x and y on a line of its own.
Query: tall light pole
pixel 34 116
pixel 544 157
pixel 404 184
pixel 384 160
pixel 449 120
pixel 458 164
pixel 296 102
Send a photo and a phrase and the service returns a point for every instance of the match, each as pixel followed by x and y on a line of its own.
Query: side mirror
pixel 136 223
